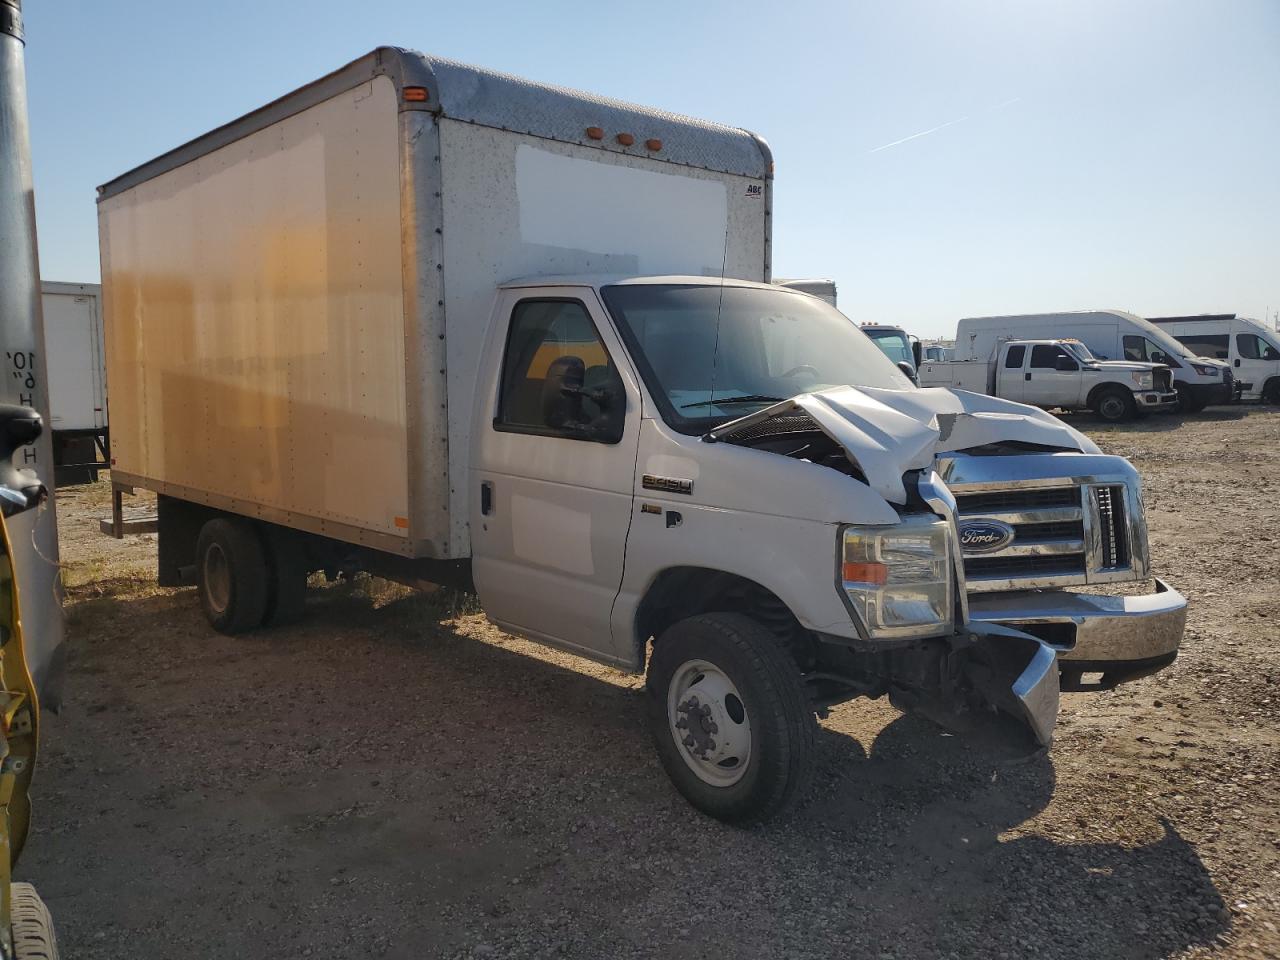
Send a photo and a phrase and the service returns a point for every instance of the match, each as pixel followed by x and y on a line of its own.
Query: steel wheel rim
pixel 708 721
pixel 217 578
pixel 1112 407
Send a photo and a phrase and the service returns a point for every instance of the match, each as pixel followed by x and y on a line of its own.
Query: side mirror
pixel 1065 364
pixel 917 352
pixel 19 489
pixel 909 370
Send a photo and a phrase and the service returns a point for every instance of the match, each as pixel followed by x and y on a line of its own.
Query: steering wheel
pixel 803 368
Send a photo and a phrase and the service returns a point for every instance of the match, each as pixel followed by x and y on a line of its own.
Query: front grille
pixel 1062 535
pixel 1162 380
pixel 1017 499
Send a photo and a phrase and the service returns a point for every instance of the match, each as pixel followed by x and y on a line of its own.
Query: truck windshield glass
pixel 894 344
pixel 1079 349
pixel 710 354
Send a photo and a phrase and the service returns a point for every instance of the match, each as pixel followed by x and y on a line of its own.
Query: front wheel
pixel 730 716
pixel 1116 405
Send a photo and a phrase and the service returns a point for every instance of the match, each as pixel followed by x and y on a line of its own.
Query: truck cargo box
pixel 295 302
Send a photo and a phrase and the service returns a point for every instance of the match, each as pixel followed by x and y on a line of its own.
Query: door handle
pixel 486 498
pixel 1026 376
pixel 1237 361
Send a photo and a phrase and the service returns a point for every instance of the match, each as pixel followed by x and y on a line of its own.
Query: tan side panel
pixel 254 318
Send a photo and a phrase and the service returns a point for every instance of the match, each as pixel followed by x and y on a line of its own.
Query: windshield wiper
pixel 747 398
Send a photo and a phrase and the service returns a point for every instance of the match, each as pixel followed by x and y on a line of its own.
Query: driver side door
pixel 1044 384
pixel 553 466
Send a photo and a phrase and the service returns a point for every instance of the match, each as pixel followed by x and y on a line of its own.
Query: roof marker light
pixel 653 144
pixel 595 133
pixel 415 94
pixel 626 139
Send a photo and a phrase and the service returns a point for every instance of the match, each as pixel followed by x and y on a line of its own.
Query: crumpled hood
pixel 888 432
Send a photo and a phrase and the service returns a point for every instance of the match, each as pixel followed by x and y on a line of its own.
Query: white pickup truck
pixel 1059 374
pixel 320 360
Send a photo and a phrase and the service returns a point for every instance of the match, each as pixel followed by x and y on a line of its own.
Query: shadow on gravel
pixel 371 782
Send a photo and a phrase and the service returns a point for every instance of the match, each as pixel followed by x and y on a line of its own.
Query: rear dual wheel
pixel 730 716
pixel 249 576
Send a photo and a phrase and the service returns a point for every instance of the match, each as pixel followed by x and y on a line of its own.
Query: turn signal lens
pixel 415 94
pixel 876 573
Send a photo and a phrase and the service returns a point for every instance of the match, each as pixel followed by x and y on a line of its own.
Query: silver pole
pixel 34 534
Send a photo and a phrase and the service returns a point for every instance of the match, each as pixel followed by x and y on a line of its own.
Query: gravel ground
pixel 395 778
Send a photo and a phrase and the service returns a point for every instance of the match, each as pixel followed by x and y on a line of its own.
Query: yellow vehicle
pixel 26 930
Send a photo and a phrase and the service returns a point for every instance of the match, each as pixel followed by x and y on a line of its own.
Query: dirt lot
pixel 393 778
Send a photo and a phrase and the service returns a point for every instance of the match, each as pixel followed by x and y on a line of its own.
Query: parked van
pixel 1109 335
pixel 1252 349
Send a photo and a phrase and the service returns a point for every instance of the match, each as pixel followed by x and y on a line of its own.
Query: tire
pixel 1185 402
pixel 1115 404
pixel 231 575
pixel 286 578
pixel 1271 392
pixel 753 702
pixel 33 935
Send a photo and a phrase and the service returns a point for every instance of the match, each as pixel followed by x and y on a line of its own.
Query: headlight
pixel 1204 370
pixel 898 579
pixel 1144 381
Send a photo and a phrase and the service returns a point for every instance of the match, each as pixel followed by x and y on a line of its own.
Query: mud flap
pixel 1018 674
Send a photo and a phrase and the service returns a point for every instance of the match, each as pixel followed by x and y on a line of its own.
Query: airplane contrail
pixel 943 126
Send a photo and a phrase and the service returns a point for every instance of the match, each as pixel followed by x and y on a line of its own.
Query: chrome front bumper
pixel 1151 400
pixel 1122 638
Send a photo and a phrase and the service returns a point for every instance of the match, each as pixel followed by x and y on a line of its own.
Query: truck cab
pixel 894 343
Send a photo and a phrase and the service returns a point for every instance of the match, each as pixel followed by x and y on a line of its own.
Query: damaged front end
pixel 960 607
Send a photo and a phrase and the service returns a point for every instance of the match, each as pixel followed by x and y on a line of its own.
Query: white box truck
pixel 1058 374
pixel 439 323
pixel 1250 347
pixel 824 290
pixel 1109 335
pixel 77 375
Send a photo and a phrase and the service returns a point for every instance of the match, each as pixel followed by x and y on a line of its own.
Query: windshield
pixel 1079 349
pixel 893 343
pixel 710 354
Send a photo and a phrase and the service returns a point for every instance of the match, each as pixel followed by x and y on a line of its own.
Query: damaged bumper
pixel 1118 638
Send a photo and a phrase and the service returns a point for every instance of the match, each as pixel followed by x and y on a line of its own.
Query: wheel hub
pixel 708 721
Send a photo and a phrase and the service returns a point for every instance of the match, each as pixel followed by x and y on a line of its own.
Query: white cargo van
pixel 412 319
pixel 1109 335
pixel 77 379
pixel 1252 349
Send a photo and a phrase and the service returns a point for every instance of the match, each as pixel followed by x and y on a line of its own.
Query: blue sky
pixel 1089 154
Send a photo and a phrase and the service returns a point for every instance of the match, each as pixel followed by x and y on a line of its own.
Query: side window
pixel 1135 348
pixel 1044 356
pixel 1250 347
pixel 1013 359
pixel 557 377
pixel 1214 345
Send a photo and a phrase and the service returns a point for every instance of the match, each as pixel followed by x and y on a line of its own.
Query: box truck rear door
pixel 552 469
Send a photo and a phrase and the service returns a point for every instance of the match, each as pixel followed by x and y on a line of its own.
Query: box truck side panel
pixel 73 354
pixel 517 205
pixel 255 323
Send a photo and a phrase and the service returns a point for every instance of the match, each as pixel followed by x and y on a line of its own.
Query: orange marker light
pixel 626 139
pixel 654 144
pixel 415 94
pixel 876 573
pixel 595 133
pixel 402 523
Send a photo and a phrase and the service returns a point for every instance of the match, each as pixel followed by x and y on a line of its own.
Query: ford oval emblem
pixel 984 536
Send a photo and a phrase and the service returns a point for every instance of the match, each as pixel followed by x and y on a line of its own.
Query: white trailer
pixel 438 323
pixel 824 290
pixel 77 375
